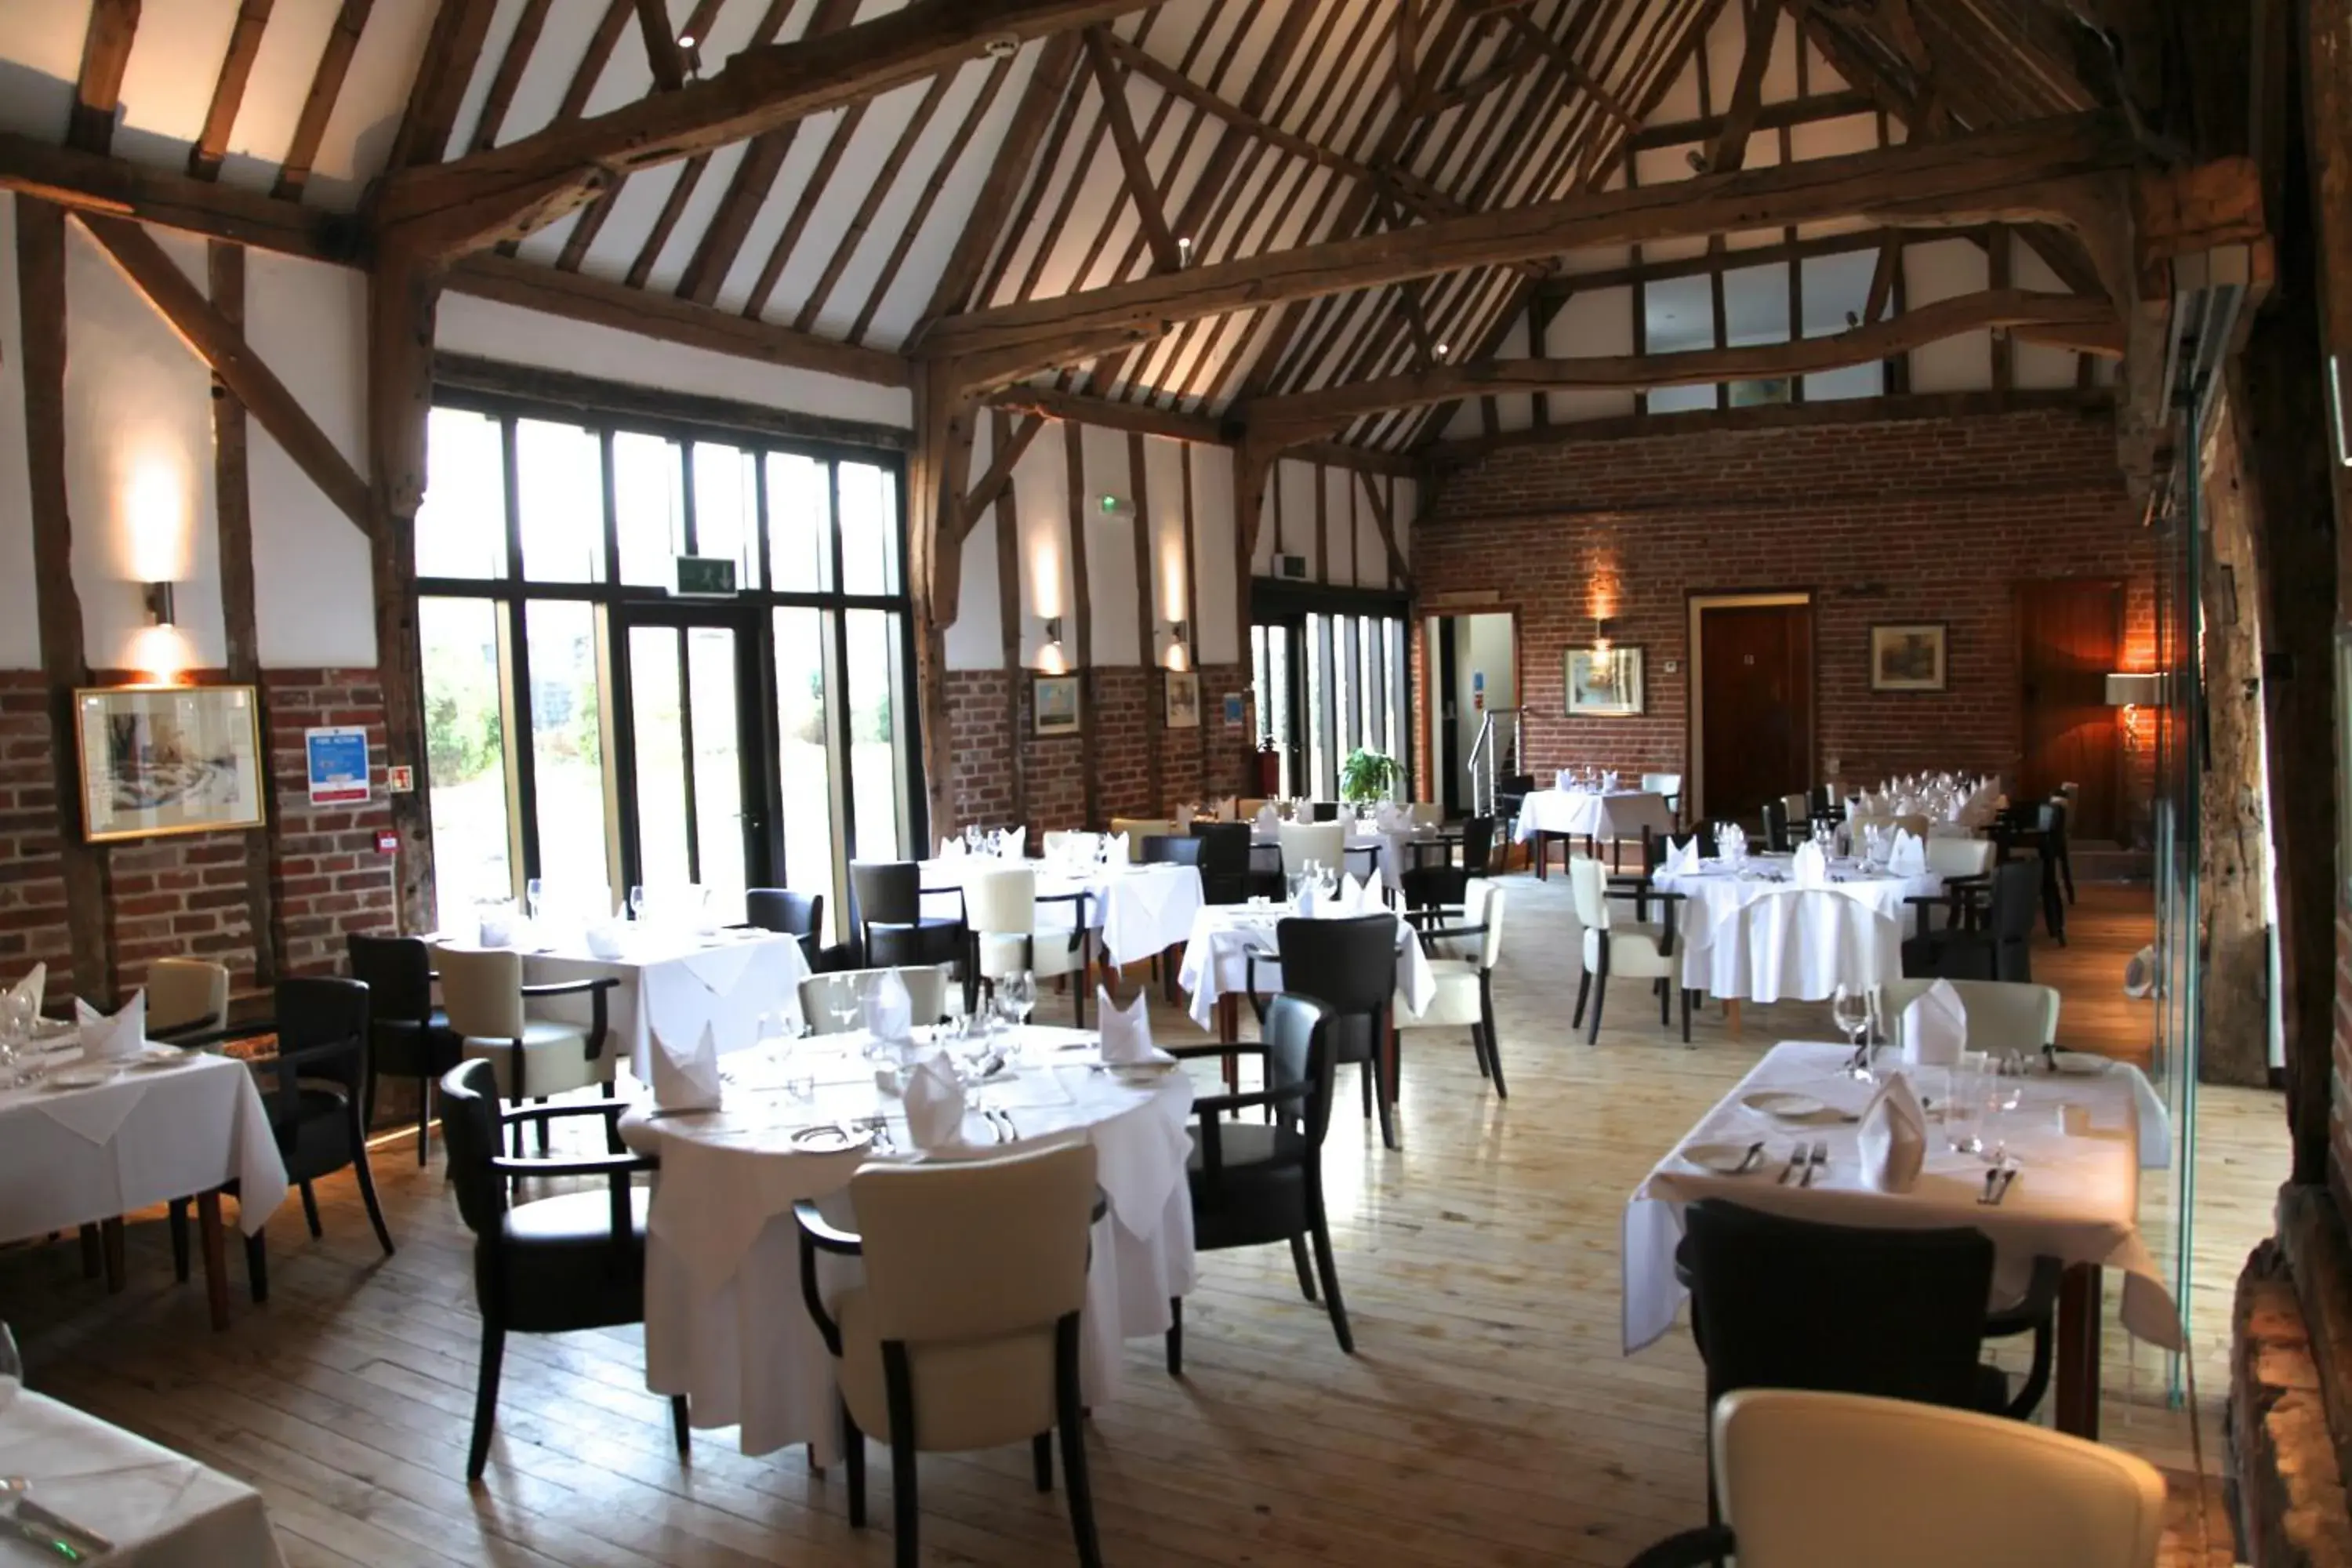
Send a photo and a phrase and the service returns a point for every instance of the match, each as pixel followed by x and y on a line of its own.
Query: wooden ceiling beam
pixel 319 102
pixel 1730 149
pixel 87 183
pixel 98 89
pixel 662 50
pixel 2008 175
pixel 220 344
pixel 2086 324
pixel 505 193
pixel 1786 114
pixel 1564 60
pixel 1049 85
pixel 584 298
pixel 1053 403
pixel 229 89
pixel 1141 189
pixel 455 44
pixel 1009 444
pixel 527 25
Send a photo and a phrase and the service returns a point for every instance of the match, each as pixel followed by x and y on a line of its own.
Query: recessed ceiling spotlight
pixel 686 40
pixel 1003 47
pixel 1442 350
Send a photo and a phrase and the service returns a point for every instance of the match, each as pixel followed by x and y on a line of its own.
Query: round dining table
pixel 1750 933
pixel 726 1325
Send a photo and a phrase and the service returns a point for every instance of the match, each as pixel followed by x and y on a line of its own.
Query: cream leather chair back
pixel 1325 843
pixel 185 993
pixel 2003 1014
pixel 926 996
pixel 481 990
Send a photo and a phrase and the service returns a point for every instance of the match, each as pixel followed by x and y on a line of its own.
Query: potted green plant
pixel 1367 775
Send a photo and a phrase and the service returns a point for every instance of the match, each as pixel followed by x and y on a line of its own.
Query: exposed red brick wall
pixel 1892 521
pixel 1194 765
pixel 189 895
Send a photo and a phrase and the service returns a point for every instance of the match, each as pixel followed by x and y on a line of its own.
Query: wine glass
pixel 15 1033
pixel 534 898
pixel 1850 1008
pixel 1017 993
pixel 637 903
pixel 843 1002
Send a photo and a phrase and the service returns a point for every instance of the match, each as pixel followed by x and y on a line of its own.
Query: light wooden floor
pixel 1488 1418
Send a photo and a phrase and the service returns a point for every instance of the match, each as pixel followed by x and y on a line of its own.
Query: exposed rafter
pixel 98 89
pixel 229 89
pixel 1141 189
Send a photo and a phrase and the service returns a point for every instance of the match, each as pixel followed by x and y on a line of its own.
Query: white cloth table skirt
pixel 725 1322
pixel 2076 1196
pixel 1140 909
pixel 1216 958
pixel 673 982
pixel 70 1157
pixel 160 1509
pixel 1745 936
pixel 1590 814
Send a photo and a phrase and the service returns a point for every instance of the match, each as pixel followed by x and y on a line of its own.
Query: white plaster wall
pixel 974 639
pixel 1115 638
pixel 20 638
pixel 495 331
pixel 1042 502
pixel 1218 635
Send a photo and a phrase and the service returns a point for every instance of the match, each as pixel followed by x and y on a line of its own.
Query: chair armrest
pixel 1079 927
pixel 572 987
pixel 611 1109
pixel 1249 981
pixel 1211 1106
pixel 2033 1309
pixel 1238 1048
pixel 196 1033
pixel 1706 1544
pixel 822 1233
pixel 577 1165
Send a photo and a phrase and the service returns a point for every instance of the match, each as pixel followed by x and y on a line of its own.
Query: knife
pixel 91 1541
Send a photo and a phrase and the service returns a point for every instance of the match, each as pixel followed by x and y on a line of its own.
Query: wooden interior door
pixel 2069 637
pixel 1755 706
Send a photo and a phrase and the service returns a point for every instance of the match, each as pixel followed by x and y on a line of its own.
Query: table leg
pixel 1396 1067
pixel 1539 841
pixel 208 1226
pixel 92 1262
pixel 1229 1030
pixel 2077 1375
pixel 1731 1016
pixel 109 1232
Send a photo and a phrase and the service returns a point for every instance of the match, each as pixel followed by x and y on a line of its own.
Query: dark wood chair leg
pixel 1376 1073
pixel 310 1211
pixel 257 1268
pixel 1074 1443
pixel 1041 1460
pixel 216 1254
pixel 1599 995
pixel 486 1396
pixel 93 1256
pixel 178 1221
pixel 905 1508
pixel 1686 996
pixel 110 1236
pixel 1175 1336
pixel 852 1460
pixel 681 1430
pixel 366 1175
pixel 423 1120
pixel 1299 1261
pixel 1583 993
pixel 1330 1270
pixel 1494 1042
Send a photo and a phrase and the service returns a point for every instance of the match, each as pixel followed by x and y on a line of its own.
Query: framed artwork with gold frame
pixel 158 760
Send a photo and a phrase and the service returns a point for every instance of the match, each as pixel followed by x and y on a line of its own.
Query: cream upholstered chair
pixel 1061 842
pixel 1914 823
pixel 1669 786
pixel 1002 908
pixel 1138 829
pixel 186 997
pixel 1622 949
pixel 2003 1014
pixel 482 992
pixel 1325 843
pixel 964 1334
pixel 1949 858
pixel 824 997
pixel 1465 998
pixel 1847 1481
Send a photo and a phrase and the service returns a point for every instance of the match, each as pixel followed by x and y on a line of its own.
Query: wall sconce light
pixel 2131 692
pixel 1052 658
pixel 1179 651
pixel 1603 626
pixel 158 605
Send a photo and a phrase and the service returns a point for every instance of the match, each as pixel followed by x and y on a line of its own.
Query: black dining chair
pixel 1327 810
pixel 314 1092
pixel 1439 884
pixel 1995 942
pixel 799 915
pixel 1777 1302
pixel 1171 849
pixel 1776 828
pixel 553 1265
pixel 2040 828
pixel 1226 874
pixel 1350 966
pixel 892 930
pixel 408 1037
pixel 1254 1184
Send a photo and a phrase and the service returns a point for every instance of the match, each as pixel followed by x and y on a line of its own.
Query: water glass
pixel 1850 1009
pixel 1018 993
pixel 637 903
pixel 1964 1110
pixel 534 899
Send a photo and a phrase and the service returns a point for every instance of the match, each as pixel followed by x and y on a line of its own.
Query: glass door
pixel 696 718
pixel 1278 666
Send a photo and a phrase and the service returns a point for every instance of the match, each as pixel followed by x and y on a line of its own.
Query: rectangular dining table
pixel 2080 1141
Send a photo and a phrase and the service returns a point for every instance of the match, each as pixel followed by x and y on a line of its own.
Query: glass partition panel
pixel 726 507
pixel 869 529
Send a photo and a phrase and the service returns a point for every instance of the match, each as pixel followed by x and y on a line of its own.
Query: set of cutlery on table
pixel 53 1534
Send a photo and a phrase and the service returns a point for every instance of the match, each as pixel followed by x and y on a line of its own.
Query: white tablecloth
pixel 1140 909
pixel 1745 935
pixel 1393 851
pixel 73 1156
pixel 2076 1197
pixel 725 1322
pixel 1590 814
pixel 160 1509
pixel 1216 958
pixel 673 982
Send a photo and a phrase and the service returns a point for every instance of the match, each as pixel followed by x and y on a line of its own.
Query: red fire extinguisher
pixel 1269 769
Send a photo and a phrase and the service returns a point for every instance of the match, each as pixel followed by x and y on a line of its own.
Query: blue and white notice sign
pixel 337 758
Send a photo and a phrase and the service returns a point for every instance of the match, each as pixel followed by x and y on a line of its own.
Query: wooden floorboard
pixel 1488 1418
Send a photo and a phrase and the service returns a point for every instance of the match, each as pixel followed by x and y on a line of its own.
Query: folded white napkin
pixel 105 1039
pixel 687 1079
pixel 1309 900
pixel 1353 892
pixel 1118 849
pixel 1564 779
pixel 1015 842
pixel 1127 1032
pixel 1909 857
pixel 31 987
pixel 934 1101
pixel 1682 859
pixel 886 1008
pixel 1934 1027
pixel 1894 1137
pixel 952 849
pixel 608 940
pixel 1609 781
pixel 1268 819
pixel 498 927
pixel 1811 867
pixel 1184 815
pixel 1225 807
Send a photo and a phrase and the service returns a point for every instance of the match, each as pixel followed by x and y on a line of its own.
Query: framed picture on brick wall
pixel 168 759
pixel 1908 657
pixel 1604 682
pixel 1055 700
pixel 1184 699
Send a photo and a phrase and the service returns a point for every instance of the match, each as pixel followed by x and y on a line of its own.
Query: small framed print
pixel 1908 657
pixel 1054 698
pixel 1184 699
pixel 1604 682
pixel 168 759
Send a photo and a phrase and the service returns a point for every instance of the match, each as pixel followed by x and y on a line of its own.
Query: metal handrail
pixel 1480 747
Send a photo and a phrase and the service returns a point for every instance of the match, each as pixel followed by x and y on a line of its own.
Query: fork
pixel 1797 1156
pixel 1819 1162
